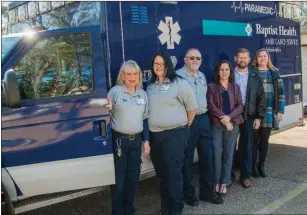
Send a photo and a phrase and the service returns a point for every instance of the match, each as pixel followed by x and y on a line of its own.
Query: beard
pixel 194 67
pixel 242 65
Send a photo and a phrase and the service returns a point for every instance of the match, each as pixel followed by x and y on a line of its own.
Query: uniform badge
pixel 140 101
pixel 164 88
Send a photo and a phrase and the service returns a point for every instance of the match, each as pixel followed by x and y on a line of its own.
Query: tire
pixel 6 203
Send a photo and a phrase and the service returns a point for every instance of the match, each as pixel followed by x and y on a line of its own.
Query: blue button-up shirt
pixel 241 79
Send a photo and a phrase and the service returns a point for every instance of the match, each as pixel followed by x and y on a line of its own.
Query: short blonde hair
pixel 130 64
pixel 270 64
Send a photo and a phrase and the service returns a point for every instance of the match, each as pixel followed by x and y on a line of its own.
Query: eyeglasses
pixel 159 64
pixel 193 57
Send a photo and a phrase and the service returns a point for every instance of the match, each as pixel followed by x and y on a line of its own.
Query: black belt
pixel 202 114
pixel 184 126
pixel 126 136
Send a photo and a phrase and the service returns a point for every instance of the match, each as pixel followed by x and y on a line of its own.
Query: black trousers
pixel 127 174
pixel 261 144
pixel 245 148
pixel 202 139
pixel 167 155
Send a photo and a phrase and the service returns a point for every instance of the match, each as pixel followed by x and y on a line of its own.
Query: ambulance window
pixel 56 66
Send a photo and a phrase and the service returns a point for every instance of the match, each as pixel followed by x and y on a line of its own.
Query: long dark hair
pixel 216 75
pixel 168 65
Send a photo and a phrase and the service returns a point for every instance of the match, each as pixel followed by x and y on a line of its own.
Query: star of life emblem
pixel 248 29
pixel 169 32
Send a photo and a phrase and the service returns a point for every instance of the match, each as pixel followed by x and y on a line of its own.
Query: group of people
pixel 180 112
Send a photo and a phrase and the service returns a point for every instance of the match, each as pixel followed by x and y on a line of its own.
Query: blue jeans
pixel 223 145
pixel 167 155
pixel 201 137
pixel 127 174
pixel 246 148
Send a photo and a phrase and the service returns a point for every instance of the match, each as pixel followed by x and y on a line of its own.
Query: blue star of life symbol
pixel 169 32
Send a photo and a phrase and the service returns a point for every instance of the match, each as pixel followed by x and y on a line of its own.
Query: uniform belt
pixel 184 126
pixel 201 114
pixel 126 136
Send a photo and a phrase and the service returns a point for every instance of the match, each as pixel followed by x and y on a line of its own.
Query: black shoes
pixel 255 171
pixel 215 200
pixel 261 170
pixel 192 201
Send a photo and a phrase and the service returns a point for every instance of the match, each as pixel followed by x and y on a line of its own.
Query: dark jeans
pixel 167 155
pixel 201 137
pixel 127 174
pixel 234 162
pixel 223 145
pixel 245 148
pixel 261 143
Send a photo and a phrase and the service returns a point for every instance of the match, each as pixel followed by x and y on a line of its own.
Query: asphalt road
pixel 283 192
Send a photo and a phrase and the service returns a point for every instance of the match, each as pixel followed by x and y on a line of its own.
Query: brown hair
pixel 216 75
pixel 270 64
pixel 242 50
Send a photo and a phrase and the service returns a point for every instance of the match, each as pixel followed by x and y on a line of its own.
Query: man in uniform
pixel 201 135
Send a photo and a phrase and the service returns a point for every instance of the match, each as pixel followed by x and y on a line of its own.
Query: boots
pixel 255 171
pixel 261 170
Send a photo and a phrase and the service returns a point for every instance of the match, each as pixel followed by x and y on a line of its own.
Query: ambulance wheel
pixel 7 207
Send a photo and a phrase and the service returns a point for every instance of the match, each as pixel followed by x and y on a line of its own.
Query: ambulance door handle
pixel 101 128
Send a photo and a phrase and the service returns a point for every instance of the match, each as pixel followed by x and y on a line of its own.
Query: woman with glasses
pixel 225 110
pixel 172 106
pixel 275 97
pixel 128 104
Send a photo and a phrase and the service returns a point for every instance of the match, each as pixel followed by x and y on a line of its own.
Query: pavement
pixel 284 191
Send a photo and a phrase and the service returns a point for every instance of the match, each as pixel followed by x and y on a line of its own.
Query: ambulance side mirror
pixel 10 91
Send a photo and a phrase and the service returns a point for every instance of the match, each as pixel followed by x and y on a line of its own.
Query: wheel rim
pixel 3 203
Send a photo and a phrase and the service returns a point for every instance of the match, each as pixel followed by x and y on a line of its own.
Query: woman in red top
pixel 225 111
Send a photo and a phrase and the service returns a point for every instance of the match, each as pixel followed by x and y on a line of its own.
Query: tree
pixel 304 15
pixel 5 28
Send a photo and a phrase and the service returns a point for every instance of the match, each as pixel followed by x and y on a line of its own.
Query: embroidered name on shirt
pixel 140 101
pixel 164 88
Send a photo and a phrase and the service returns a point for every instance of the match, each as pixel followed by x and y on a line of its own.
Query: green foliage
pixel 4 20
pixel 54 67
pixel 304 14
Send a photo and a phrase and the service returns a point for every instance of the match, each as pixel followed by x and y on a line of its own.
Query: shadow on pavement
pixel 286 166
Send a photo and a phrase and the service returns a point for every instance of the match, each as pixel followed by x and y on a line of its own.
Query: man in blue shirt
pixel 254 111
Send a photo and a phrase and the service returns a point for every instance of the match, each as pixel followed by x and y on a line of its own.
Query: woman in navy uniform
pixel 172 106
pixel 128 104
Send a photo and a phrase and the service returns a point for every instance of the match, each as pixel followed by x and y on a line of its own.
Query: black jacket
pixel 255 103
